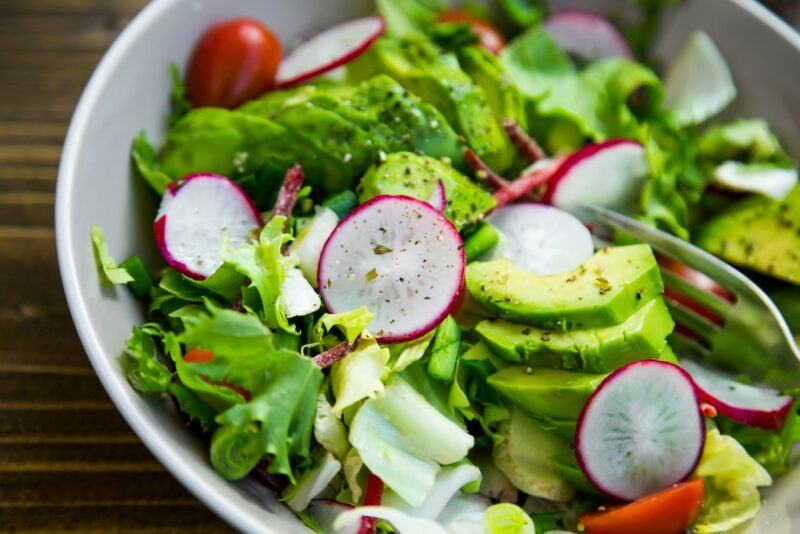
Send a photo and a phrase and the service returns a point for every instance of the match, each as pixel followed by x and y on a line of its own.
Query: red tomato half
pixel 667 512
pixel 233 62
pixel 490 37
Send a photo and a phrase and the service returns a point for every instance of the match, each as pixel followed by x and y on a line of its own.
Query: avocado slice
pixel 759 234
pixel 226 142
pixel 546 393
pixel 593 350
pixel 405 173
pixel 505 99
pixel 401 119
pixel 436 77
pixel 527 456
pixel 604 291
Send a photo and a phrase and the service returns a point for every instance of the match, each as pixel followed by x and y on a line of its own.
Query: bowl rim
pixel 182 468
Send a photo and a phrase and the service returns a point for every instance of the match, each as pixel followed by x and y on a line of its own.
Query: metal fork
pixel 750 335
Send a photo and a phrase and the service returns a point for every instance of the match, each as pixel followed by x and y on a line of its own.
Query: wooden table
pixel 67 459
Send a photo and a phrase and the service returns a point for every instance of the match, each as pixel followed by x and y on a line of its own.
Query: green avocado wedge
pixel 758 233
pixel 546 393
pixel 603 291
pixel 436 77
pixel 593 350
pixel 405 173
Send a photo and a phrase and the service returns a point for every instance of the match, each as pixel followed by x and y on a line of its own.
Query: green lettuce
pixel 770 448
pixel 267 268
pixel 732 479
pixel 145 161
pixel 404 440
pixel 329 431
pixel 106 263
pixel 179 102
pixel 360 375
pixel 145 372
pixel 746 140
pixel 313 482
pixel 277 422
pixel 351 323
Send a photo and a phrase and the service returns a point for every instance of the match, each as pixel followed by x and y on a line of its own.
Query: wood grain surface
pixel 68 462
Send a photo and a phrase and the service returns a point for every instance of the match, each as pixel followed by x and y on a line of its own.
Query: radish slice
pixel 756 406
pixel 608 174
pixel 330 49
pixel 540 239
pixel 641 430
pixel 438 198
pixel 324 513
pixel 586 36
pixel 195 218
pixel 309 242
pixel 698 83
pixel 765 179
pixel 399 257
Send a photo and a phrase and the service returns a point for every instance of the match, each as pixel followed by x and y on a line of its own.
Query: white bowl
pixel 129 92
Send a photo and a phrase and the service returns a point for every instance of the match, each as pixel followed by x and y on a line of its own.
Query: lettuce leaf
pixel 732 479
pixel 746 140
pixel 228 334
pixel 329 431
pixel 276 423
pixel 698 83
pixel 267 268
pixel 449 482
pixel 546 75
pixel 360 375
pixel 403 440
pixel 145 373
pixel 145 161
pixel 770 448
pixel 352 323
pixel 108 267
pixel 311 483
pixel 179 102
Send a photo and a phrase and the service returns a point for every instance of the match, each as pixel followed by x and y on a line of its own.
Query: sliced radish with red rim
pixel 757 406
pixel 399 257
pixel 641 430
pixel 539 238
pixel 329 50
pixel 194 219
pixel 586 36
pixel 608 174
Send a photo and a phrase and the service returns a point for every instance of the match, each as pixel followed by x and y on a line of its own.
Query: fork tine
pixel 707 300
pixel 686 347
pixel 672 246
pixel 691 320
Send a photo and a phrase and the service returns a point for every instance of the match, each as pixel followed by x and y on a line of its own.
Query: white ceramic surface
pixel 129 92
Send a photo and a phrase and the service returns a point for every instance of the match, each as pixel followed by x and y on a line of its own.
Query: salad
pixel 377 302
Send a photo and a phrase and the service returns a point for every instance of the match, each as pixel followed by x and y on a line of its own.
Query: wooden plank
pixel 27 208
pixel 167 518
pixel 59 391
pixel 71 456
pixel 57 427
pixel 65 7
pixel 80 489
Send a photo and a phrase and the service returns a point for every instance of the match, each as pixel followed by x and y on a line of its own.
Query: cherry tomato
pixel 233 62
pixel 490 37
pixel 667 512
